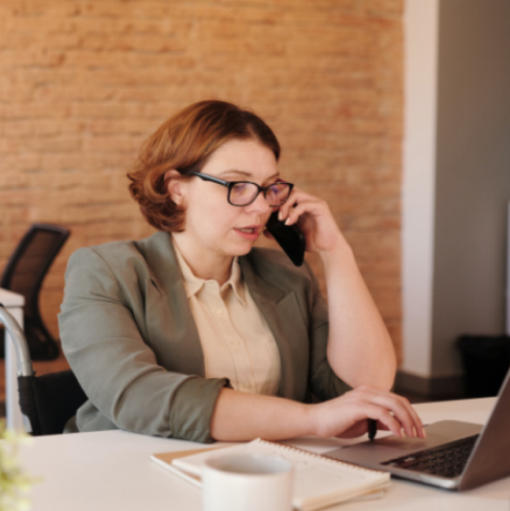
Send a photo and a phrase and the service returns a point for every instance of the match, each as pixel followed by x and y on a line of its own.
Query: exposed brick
pixel 83 83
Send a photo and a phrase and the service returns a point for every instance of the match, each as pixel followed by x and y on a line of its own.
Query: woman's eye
pixel 241 188
pixel 278 188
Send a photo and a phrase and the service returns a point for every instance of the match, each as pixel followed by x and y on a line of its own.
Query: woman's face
pixel 211 223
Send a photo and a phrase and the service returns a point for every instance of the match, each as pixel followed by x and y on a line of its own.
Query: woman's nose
pixel 260 204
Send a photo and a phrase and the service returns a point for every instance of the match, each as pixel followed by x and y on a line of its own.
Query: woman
pixel 193 333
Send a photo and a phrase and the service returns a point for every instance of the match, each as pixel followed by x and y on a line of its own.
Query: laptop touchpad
pixel 372 453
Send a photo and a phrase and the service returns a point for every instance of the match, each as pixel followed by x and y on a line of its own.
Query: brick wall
pixel 82 83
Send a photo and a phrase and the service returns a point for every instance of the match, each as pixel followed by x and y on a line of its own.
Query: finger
pixel 363 405
pixel 416 418
pixel 401 409
pixel 284 209
pixel 397 405
pixel 417 423
pixel 312 207
pixel 410 419
pixel 384 418
pixel 296 197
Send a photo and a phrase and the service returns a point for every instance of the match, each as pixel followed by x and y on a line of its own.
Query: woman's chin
pixel 241 247
pixel 244 251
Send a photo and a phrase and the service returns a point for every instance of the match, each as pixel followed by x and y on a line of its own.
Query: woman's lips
pixel 248 233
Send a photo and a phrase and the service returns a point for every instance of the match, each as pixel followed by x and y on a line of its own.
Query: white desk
pixel 14 304
pixel 111 470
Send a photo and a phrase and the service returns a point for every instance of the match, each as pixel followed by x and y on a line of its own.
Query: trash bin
pixel 486 360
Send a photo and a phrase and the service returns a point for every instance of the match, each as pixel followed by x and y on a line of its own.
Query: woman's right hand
pixel 346 416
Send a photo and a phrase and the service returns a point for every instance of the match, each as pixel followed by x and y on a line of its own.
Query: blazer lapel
pixel 171 322
pixel 281 311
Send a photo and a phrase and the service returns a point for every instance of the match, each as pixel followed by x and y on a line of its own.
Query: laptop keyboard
pixel 447 460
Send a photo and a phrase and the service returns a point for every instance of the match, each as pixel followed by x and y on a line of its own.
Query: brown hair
pixel 184 142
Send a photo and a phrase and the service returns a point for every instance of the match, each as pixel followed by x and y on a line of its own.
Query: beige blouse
pixel 236 340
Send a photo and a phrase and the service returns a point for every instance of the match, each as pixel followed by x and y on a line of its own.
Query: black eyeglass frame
pixel 231 184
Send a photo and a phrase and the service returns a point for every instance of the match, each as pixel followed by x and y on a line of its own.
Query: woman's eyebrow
pixel 246 174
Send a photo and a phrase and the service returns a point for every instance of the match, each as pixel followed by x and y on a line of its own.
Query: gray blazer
pixel 129 336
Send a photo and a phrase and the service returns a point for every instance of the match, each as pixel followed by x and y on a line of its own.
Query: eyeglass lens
pixel 242 194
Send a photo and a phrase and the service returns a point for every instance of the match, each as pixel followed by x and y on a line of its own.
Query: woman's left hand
pixel 360 350
pixel 315 219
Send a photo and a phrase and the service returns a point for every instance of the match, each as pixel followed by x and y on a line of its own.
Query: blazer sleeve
pixel 324 383
pixel 118 371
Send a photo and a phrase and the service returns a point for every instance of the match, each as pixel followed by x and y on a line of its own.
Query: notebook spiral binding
pixel 320 457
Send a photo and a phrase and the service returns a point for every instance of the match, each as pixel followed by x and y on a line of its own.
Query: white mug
pixel 247 482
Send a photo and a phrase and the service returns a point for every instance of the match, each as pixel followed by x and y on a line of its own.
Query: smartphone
pixel 289 237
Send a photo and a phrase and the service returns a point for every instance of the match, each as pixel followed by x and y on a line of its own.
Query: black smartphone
pixel 289 237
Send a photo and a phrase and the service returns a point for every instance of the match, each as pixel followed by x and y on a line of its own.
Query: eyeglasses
pixel 243 193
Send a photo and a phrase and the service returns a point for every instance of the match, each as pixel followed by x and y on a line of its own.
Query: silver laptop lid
pixel 490 458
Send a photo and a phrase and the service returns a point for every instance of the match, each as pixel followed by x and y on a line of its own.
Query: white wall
pixel 456 178
pixel 418 194
pixel 472 175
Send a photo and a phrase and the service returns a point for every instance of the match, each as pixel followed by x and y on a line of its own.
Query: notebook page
pixel 318 480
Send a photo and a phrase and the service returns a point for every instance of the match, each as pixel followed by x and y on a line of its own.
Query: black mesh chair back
pixel 24 274
pixel 48 401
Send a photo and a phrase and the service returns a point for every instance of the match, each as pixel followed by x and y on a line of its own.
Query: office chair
pixel 24 274
pixel 48 401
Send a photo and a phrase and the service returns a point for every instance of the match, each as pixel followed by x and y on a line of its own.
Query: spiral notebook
pixel 318 482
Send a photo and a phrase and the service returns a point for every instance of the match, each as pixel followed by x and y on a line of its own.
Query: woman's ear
pixel 175 186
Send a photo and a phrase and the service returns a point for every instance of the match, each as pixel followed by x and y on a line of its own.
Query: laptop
pixel 455 455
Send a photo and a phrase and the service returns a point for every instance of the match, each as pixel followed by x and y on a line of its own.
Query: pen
pixel 372 429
